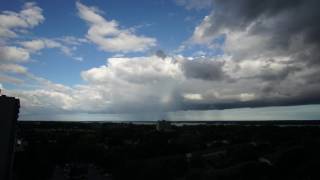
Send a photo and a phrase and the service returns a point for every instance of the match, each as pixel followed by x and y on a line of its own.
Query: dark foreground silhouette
pixel 101 151
pixel 9 110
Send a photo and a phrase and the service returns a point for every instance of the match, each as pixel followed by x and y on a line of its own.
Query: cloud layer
pixel 270 58
pixel 273 43
pixel 16 49
pixel 156 84
pixel 11 22
pixel 109 36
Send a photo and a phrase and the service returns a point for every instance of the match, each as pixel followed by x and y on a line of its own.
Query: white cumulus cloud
pixel 13 54
pixel 109 36
pixel 30 16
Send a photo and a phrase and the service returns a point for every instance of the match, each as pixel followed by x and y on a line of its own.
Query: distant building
pixel 163 125
pixel 9 110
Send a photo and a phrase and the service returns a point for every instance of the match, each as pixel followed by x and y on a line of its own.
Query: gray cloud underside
pixel 156 84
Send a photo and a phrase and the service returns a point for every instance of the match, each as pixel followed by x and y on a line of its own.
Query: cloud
pixel 14 51
pixel 109 36
pixel 13 68
pixel 10 79
pixel 11 24
pixel 270 58
pixel 36 45
pixel 247 97
pixel 195 4
pixel 205 69
pixel 180 83
pixel 265 27
pixel 136 84
pixel 156 85
pixel 112 88
pixel 71 40
pixel 80 59
pixel 190 96
pixel 13 54
pixel 161 54
pixel 136 69
pixel 29 17
pixel 269 46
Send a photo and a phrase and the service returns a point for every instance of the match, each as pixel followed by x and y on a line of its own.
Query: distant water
pixel 282 123
pixel 285 123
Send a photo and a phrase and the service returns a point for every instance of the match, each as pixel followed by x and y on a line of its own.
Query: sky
pixel 168 59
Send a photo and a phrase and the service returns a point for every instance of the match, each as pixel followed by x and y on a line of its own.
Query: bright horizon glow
pixel 304 112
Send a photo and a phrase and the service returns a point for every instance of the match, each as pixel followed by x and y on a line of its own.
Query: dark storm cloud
pixel 290 18
pixel 306 98
pixel 268 75
pixel 203 69
pixel 161 54
pixel 274 46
